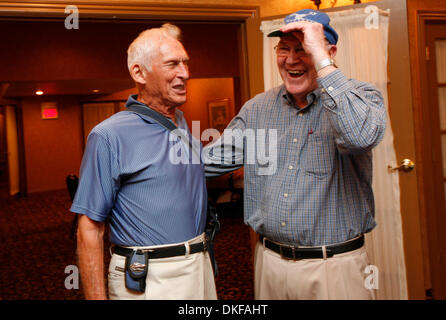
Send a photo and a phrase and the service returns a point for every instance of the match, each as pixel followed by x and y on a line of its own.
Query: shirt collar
pixel 133 99
pixel 312 97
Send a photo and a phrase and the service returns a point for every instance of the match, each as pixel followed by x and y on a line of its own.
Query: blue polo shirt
pixel 130 174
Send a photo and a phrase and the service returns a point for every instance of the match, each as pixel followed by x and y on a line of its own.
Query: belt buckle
pixel 293 248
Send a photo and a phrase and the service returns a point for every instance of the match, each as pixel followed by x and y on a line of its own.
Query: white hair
pixel 144 47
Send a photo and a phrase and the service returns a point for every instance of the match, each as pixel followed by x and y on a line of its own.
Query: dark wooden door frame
pixel 20 143
pixel 132 10
pixel 4 161
pixel 429 145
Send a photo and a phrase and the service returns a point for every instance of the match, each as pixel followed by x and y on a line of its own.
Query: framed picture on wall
pixel 218 114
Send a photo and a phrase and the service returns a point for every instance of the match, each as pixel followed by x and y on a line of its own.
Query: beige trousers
pixel 337 278
pixel 188 277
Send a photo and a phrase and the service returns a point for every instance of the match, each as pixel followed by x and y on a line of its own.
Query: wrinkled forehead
pixel 170 47
pixel 290 40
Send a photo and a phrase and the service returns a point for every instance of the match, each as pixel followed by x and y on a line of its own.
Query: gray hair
pixel 143 48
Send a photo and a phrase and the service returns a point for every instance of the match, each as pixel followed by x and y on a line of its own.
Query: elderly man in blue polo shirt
pixel 313 201
pixel 156 207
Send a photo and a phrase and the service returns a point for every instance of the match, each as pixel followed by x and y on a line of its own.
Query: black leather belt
pixel 290 252
pixel 164 252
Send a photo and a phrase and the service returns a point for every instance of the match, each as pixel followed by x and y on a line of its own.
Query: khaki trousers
pixel 337 278
pixel 188 277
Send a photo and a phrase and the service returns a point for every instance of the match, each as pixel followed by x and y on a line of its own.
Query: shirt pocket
pixel 319 155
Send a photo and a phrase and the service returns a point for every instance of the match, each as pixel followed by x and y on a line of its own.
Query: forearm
pixel 90 250
pixel 356 111
pixel 227 153
pixel 220 159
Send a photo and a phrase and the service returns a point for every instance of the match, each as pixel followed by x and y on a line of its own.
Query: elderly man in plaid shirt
pixel 312 202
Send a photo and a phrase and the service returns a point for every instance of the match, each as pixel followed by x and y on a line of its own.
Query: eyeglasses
pixel 285 51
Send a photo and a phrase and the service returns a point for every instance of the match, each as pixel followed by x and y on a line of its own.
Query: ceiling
pixel 66 87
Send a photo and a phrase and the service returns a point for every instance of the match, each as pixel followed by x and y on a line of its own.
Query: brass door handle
pixel 406 165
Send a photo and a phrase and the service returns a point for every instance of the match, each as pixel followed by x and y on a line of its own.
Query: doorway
pixel 4 175
pixel 10 160
pixel 433 65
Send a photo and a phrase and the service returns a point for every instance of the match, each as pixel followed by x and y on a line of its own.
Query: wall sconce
pixel 317 3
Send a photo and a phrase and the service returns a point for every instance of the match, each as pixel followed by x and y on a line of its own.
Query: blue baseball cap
pixel 313 16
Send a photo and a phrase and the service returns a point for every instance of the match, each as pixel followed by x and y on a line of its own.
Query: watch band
pixel 324 63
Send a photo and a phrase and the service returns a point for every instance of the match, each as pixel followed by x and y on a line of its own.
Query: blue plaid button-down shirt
pixel 307 172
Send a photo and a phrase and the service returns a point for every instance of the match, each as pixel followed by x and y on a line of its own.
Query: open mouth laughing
pixel 296 73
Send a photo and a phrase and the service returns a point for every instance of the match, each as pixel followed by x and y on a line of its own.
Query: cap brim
pixel 276 33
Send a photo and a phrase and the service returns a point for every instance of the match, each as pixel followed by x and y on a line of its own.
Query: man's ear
pixel 138 74
pixel 332 51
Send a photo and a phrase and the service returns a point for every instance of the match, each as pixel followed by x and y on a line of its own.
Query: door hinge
pixel 428 54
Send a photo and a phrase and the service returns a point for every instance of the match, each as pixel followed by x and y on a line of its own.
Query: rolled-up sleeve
pixel 98 182
pixel 356 111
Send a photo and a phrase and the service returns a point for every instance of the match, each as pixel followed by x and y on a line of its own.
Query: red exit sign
pixel 49 110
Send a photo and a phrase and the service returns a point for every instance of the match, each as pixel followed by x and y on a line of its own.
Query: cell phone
pixel 136 267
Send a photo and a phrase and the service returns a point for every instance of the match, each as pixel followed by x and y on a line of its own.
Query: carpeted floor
pixel 35 249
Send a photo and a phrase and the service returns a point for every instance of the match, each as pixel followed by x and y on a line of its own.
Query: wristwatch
pixel 324 63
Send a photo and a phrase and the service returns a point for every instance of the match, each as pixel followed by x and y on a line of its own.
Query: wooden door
pixel 434 109
pixel 403 118
pixel 4 177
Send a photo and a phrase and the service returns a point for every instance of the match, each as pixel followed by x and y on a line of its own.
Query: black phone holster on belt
pixel 136 266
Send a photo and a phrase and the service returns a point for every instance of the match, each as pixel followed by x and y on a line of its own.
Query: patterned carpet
pixel 35 249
